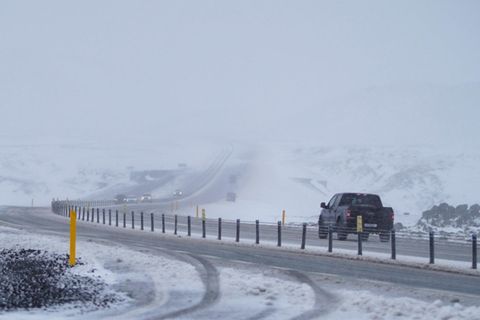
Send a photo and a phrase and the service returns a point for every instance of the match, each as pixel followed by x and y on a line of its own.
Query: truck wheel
pixel 342 233
pixel 384 237
pixel 322 230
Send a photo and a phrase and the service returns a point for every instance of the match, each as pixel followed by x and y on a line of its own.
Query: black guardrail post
pixel 124 219
pixel 219 229
pixel 204 228
pixel 474 251
pixel 359 241
pixel 116 218
pixel 237 237
pixel 133 220
pixel 175 223
pixel 98 215
pixel 103 215
pixel 88 214
pixel 330 239
pixel 163 222
pixel 304 236
pixel 151 222
pixel 279 233
pixel 189 226
pixel 83 214
pixel 109 217
pixel 432 248
pixel 257 232
pixel 394 245
pixel 141 220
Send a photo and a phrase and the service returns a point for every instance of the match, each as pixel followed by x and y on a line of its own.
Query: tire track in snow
pixel 210 279
pixel 208 274
pixel 323 299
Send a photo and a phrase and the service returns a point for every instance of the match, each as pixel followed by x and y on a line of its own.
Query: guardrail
pixel 305 235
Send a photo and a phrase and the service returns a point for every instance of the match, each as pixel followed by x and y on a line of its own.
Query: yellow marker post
pixel 283 217
pixel 196 212
pixel 73 236
pixel 359 224
pixel 204 216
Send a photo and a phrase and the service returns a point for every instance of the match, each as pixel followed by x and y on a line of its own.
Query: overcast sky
pixel 376 72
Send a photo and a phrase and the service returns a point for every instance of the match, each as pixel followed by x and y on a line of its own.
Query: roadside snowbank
pixel 363 305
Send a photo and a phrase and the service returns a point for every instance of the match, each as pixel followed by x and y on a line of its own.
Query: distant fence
pixel 314 236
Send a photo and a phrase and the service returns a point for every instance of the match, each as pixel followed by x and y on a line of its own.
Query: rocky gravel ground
pixel 31 279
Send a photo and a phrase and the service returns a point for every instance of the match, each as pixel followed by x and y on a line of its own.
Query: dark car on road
pixel 120 198
pixel 342 211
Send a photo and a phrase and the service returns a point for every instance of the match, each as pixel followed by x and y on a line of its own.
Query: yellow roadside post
pixel 283 217
pixel 196 212
pixel 73 236
pixel 204 216
pixel 359 224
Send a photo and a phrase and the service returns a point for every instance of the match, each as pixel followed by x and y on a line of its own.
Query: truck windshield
pixel 353 199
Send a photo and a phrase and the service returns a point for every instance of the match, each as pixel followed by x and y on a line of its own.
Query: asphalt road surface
pixel 41 220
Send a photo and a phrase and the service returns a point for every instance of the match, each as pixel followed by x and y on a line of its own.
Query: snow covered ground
pixel 296 178
pixel 57 168
pixel 149 281
pixel 269 177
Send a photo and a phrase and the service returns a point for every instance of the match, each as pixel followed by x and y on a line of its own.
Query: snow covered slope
pixel 273 176
pixel 298 177
pixel 65 169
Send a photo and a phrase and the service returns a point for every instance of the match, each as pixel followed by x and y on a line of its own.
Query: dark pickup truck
pixel 341 214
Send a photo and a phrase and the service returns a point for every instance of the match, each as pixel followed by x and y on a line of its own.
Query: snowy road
pixel 320 276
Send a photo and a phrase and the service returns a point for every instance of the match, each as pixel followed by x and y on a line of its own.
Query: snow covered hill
pixel 274 176
pixel 58 168
pixel 410 179
pixel 298 177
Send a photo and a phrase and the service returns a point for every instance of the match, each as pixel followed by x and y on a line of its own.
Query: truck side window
pixel 338 200
pixel 332 201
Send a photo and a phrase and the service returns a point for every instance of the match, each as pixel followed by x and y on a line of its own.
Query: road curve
pixel 44 221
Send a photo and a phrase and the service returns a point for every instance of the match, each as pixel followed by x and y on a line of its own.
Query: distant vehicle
pixel 120 198
pixel 146 197
pixel 342 211
pixel 177 193
pixel 231 196
pixel 131 199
